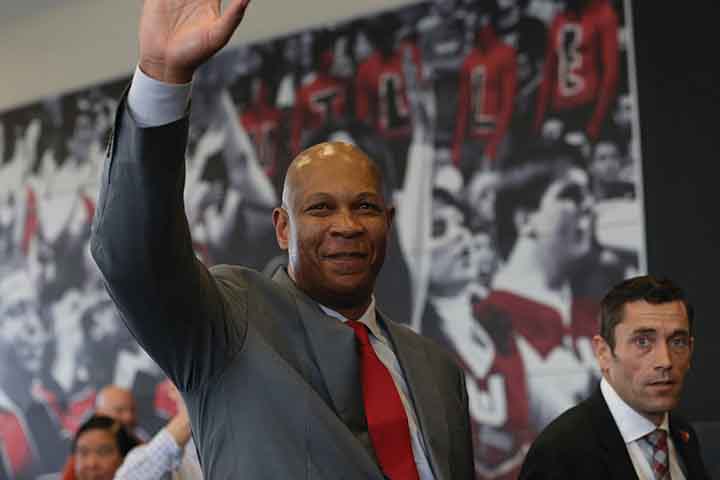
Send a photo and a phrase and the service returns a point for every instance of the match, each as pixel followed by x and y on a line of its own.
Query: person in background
pixel 119 403
pixel 170 454
pixel 99 447
pixel 627 429
pixel 114 402
pixel 32 440
pixel 581 68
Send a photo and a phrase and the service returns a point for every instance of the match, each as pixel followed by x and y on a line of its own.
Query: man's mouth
pixel 662 383
pixel 347 262
pixel 345 255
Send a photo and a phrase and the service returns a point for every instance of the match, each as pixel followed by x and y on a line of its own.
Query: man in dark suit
pixel 626 429
pixel 295 376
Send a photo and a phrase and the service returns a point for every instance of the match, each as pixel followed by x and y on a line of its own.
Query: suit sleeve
pixel 466 418
pixel 141 243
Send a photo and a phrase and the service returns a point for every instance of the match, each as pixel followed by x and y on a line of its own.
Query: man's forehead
pixel 642 312
pixel 328 167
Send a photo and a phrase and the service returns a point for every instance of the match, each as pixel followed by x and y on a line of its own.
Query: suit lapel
pixel 333 347
pixel 617 457
pixel 682 438
pixel 429 406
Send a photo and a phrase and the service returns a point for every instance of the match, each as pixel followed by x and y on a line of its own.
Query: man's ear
pixel 603 352
pixel 281 222
pixel 390 214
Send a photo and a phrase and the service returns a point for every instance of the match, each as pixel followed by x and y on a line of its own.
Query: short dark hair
pixel 125 440
pixel 523 186
pixel 645 287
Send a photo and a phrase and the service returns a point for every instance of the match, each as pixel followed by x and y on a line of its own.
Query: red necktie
pixel 386 418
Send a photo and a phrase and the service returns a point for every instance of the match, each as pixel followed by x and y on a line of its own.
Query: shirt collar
pixel 369 318
pixel 631 424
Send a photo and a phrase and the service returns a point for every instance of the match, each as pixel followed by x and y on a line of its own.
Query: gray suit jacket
pixel 271 382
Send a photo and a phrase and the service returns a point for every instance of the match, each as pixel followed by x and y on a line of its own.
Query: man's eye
pixel 319 206
pixel 680 343
pixel 369 206
pixel 643 341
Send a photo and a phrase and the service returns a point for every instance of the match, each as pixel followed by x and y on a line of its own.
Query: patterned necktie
pixel 659 457
pixel 386 418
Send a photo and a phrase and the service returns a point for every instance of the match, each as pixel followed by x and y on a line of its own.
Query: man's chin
pixel 348 290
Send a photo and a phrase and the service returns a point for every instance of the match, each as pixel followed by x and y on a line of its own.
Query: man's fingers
pixel 231 18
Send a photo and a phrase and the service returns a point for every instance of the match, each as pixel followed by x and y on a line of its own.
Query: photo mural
pixel 507 132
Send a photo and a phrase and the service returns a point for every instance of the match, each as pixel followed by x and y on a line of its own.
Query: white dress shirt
pixel 160 459
pixel 633 427
pixel 153 103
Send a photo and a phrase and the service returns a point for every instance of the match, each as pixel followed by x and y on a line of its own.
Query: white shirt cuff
pixel 153 103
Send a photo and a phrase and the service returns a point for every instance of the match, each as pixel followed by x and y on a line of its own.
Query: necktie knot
pixel 658 439
pixel 361 332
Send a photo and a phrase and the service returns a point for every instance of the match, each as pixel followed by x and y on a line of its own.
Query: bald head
pixel 315 159
pixel 334 223
pixel 118 403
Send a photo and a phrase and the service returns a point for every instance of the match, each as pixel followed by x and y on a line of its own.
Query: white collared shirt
pixel 633 427
pixel 383 349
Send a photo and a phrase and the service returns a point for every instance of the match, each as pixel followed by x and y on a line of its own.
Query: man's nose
pixel 663 358
pixel 346 224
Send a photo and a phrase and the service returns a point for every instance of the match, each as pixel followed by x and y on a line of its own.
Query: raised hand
pixel 176 36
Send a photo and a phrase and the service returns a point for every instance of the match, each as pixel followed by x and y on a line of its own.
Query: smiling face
pixel 652 354
pixel 334 224
pixel 97 455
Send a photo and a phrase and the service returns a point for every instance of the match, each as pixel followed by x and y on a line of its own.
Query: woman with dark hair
pixel 99 447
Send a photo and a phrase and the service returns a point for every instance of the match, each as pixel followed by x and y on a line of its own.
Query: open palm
pixel 176 36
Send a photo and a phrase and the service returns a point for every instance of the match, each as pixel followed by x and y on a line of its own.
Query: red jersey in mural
pixel 262 122
pixel 486 93
pixel 581 63
pixel 324 97
pixel 381 93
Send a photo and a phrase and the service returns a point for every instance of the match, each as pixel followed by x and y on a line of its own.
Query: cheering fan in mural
pixel 322 97
pixel 488 80
pixel 229 195
pixel 541 332
pixel 32 440
pixel 18 200
pixel 261 118
pixel 64 187
pixel 442 42
pixel 609 172
pixel 380 89
pixel 581 67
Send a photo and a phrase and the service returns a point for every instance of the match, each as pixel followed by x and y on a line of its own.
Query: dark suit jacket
pixel 271 382
pixel 585 443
